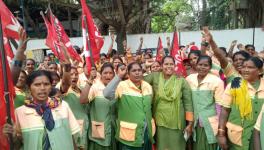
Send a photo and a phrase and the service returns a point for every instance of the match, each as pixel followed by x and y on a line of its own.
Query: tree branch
pixel 121 11
pixel 101 17
pixel 129 8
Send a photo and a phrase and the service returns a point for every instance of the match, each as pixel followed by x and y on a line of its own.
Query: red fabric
pixel 175 53
pixel 4 145
pixel 10 26
pixel 159 50
pixel 61 36
pixel 194 48
pixel 92 39
pixel 49 38
pixel 8 49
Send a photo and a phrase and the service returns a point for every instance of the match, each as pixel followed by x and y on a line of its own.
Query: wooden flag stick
pixel 6 91
pixel 86 37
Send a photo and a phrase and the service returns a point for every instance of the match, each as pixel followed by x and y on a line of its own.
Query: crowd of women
pixel 132 102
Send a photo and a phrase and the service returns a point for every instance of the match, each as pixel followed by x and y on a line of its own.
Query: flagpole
pixel 23 14
pixel 89 45
pixel 56 29
pixel 6 91
pixel 157 47
pixel 44 18
pixel 173 38
pixel 179 38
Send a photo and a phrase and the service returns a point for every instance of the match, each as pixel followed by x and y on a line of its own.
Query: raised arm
pixel 86 89
pixel 66 78
pixel 168 44
pixel 109 91
pixel 66 71
pixel 110 49
pixel 204 45
pixel 209 38
pixel 231 49
pixel 129 56
pixel 140 44
pixel 19 56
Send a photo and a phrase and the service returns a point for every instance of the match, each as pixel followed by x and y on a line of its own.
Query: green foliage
pixel 167 14
pixel 220 16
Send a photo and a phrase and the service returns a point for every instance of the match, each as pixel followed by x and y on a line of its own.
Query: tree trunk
pixel 120 37
pixel 70 22
pixel 262 6
pixel 204 15
pixel 148 25
pixel 31 22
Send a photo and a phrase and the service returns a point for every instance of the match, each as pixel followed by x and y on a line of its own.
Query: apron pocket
pixel 127 131
pixel 234 133
pixel 153 125
pixel 81 124
pixel 214 124
pixel 98 130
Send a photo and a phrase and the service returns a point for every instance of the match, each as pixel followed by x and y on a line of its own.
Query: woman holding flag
pixel 102 111
pixel 43 122
pixel 172 106
pixel 71 95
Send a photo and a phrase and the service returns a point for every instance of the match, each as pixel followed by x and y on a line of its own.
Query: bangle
pixel 221 135
pixel 221 130
pixel 17 63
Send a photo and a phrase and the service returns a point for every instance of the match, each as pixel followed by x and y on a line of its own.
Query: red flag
pixel 175 53
pixel 10 26
pixel 61 36
pixel 4 145
pixel 49 39
pixel 92 39
pixel 8 49
pixel 159 50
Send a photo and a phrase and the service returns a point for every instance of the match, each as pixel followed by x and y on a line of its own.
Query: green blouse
pixel 19 98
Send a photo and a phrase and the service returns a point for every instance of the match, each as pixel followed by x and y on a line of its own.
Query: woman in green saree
pixel 172 107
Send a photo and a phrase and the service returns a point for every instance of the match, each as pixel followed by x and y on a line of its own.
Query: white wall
pixel 222 37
